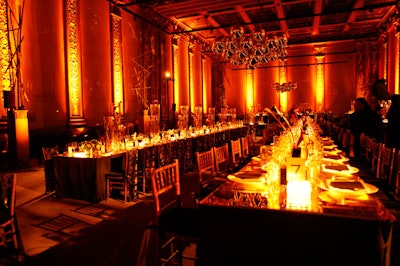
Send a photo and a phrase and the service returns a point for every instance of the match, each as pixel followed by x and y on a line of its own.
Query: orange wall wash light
pixel 191 79
pixel 74 63
pixel 249 89
pixel 283 96
pixel 385 60
pixel 118 90
pixel 320 88
pixel 397 64
pixel 175 84
pixel 204 84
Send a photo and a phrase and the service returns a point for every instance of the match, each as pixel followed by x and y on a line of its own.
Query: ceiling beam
pixel 281 16
pixel 215 24
pixel 353 14
pixel 245 17
pixel 317 19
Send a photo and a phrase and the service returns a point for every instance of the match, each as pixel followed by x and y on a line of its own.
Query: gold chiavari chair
pixel 396 173
pixel 9 232
pixel 236 153
pixel 252 144
pixel 386 163
pixel 244 145
pixel 375 157
pixel 221 156
pixel 367 142
pixel 174 226
pixel 125 180
pixel 205 164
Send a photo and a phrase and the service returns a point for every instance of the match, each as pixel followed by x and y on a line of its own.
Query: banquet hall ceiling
pixel 303 21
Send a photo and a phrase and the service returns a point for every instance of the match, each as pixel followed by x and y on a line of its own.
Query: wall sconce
pixel 168 76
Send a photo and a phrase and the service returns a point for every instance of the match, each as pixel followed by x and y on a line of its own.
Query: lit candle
pixel 298 195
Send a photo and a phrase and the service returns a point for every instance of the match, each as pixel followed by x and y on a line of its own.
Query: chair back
pixel 397 172
pixel 205 162
pixel 375 157
pixel 252 143
pixel 244 144
pixel 8 191
pixel 165 181
pixel 236 152
pixel 264 136
pixel 221 157
pixel 367 143
pixel 8 195
pixel 386 164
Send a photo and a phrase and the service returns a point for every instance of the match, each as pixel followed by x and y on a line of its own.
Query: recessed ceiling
pixel 303 21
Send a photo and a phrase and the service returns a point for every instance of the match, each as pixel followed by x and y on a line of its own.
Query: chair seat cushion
pixel 181 221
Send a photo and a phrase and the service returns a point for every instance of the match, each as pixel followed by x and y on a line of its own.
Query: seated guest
pixel 378 128
pixel 360 122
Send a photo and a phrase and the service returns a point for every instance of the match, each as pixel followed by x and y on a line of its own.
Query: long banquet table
pixel 83 178
pixel 238 228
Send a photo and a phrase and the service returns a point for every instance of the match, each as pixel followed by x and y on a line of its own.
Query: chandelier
pixel 251 49
pixel 284 87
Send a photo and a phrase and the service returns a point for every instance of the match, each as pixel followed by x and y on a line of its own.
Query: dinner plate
pixel 251 183
pixel 326 197
pixel 332 151
pixel 335 158
pixel 339 169
pixel 368 188
pixel 243 178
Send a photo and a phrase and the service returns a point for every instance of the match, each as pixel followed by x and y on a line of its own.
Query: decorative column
pixel 116 53
pixel 320 88
pixel 73 57
pixel 4 56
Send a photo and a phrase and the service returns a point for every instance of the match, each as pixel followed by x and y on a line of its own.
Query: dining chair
pixel 9 231
pixel 265 136
pixel 244 144
pixel 236 153
pixel 205 164
pixel 174 225
pixel 386 164
pixel 397 172
pixel 252 144
pixel 347 142
pixel 366 150
pixel 375 157
pixel 207 176
pixel 125 180
pixel 221 157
